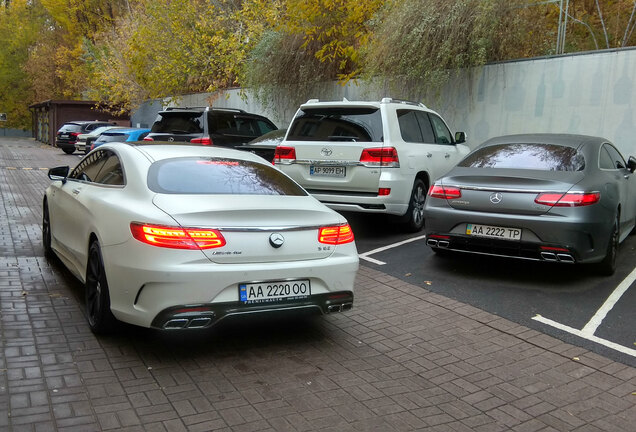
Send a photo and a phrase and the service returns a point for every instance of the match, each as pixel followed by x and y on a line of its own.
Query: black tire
pixel 68 150
pixel 46 230
pixel 414 217
pixel 607 267
pixel 97 297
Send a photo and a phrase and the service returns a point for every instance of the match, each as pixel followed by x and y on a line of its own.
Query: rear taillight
pixel 284 155
pixel 177 237
pixel 444 192
pixel 202 141
pixel 335 235
pixel 148 138
pixel 384 191
pixel 380 156
pixel 569 199
pixel 74 134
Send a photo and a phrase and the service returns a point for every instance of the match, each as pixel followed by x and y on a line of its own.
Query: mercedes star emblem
pixel 171 139
pixel 276 240
pixel 496 197
pixel 326 151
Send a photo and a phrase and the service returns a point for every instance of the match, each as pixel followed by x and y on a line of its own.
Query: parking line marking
pixel 599 316
pixel 587 336
pixel 365 256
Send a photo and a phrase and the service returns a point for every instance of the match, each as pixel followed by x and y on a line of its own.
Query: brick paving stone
pixel 419 361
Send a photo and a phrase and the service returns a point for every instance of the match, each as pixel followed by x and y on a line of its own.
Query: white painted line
pixel 590 337
pixel 599 316
pixel 365 256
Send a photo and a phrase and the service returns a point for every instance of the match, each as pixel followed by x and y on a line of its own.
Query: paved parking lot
pixel 405 358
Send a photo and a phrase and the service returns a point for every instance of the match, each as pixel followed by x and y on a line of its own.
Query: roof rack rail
pixel 313 101
pixel 402 101
pixel 172 108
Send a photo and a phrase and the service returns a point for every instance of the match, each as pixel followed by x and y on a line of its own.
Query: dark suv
pixel 67 134
pixel 209 126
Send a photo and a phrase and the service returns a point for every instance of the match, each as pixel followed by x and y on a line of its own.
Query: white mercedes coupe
pixel 182 236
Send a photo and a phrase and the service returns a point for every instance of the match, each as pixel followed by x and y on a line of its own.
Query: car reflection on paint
pixel 549 197
pixel 176 237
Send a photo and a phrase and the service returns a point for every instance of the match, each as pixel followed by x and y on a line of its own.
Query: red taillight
pixel 570 199
pixel 335 235
pixel 444 192
pixel 380 156
pixel 284 154
pixel 74 134
pixel 554 249
pixel 384 191
pixel 203 141
pixel 177 237
pixel 148 138
pixel 443 237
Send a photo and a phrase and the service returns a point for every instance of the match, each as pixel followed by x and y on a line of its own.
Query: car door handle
pixel 447 155
pixel 76 191
pixel 429 155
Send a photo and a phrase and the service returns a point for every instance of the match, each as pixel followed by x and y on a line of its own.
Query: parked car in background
pixel 223 127
pixel 85 141
pixel 548 197
pixel 265 145
pixel 181 237
pixel 67 135
pixel 374 157
pixel 120 135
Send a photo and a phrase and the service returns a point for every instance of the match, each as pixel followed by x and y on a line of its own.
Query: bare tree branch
pixel 628 32
pixel 600 14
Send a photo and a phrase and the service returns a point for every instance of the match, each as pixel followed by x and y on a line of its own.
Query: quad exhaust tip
pixel 438 243
pixel 339 307
pixel 552 257
pixel 190 323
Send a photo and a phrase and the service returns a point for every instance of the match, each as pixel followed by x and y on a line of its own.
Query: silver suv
pixel 376 157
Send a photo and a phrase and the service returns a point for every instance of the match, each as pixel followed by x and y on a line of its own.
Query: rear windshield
pixel 175 122
pixel 337 124
pixel 72 127
pixel 195 175
pixel 544 157
pixel 106 137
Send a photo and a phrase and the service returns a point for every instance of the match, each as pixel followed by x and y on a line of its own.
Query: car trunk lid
pixel 248 222
pixel 506 190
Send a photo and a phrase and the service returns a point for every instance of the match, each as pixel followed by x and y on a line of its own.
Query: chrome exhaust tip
pixel 177 323
pixel 334 308
pixel 346 307
pixel 443 243
pixel 549 256
pixel 199 322
pixel 567 258
pixel 431 242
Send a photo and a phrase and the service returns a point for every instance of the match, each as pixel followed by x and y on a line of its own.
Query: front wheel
pixel 414 221
pixel 607 267
pixel 100 319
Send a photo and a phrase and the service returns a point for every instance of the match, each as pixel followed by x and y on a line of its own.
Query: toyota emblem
pixel 496 197
pixel 326 151
pixel 171 139
pixel 276 240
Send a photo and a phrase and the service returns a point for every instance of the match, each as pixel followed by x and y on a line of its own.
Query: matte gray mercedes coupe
pixel 547 197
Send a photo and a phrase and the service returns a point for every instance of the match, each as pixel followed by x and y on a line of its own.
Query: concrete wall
pixel 9 132
pixel 591 94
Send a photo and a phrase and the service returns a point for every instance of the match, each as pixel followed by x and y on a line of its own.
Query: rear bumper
pixel 544 237
pixel 147 284
pixel 65 144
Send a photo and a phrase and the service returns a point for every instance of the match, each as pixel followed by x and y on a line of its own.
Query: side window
pixel 441 131
pixel 88 169
pixel 425 126
pixel 221 123
pixel 111 172
pixel 617 160
pixel 264 127
pixel 409 127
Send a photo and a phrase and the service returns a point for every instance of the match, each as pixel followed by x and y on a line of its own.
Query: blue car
pixel 120 135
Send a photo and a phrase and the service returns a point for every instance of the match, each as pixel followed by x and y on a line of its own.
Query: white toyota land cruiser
pixel 376 157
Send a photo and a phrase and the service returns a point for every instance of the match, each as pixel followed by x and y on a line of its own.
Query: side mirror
pixel 59 173
pixel 631 164
pixel 460 137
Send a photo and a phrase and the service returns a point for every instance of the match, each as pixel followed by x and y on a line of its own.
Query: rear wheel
pixel 100 319
pixel 607 267
pixel 414 221
pixel 46 230
pixel 68 150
